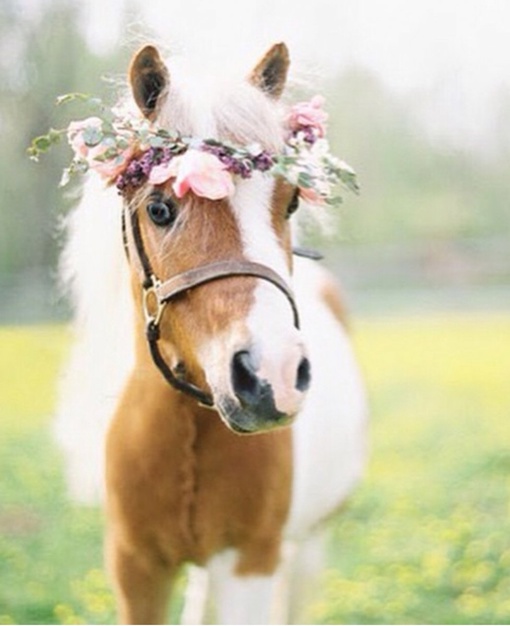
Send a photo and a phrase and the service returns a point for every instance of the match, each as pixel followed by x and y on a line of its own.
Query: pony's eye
pixel 162 213
pixel 293 204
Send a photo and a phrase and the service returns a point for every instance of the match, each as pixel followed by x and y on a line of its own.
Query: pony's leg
pixel 142 587
pixel 245 599
pixel 195 596
pixel 305 566
pixel 297 579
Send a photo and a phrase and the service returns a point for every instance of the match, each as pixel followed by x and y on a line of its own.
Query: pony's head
pixel 209 179
pixel 237 335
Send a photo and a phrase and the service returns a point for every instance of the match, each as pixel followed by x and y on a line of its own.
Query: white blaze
pixel 276 348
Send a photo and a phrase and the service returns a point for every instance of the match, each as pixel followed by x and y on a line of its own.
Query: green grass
pixel 425 539
pixel 50 551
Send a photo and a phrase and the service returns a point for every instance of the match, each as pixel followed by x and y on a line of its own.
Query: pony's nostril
pixel 244 379
pixel 304 375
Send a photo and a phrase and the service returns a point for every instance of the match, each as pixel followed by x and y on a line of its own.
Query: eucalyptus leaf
pixel 78 166
pixel 156 141
pixel 334 201
pixel 42 144
pixel 92 136
pixel 305 180
pixel 54 135
pixel 123 143
pixel 107 155
pixel 70 97
pixel 348 178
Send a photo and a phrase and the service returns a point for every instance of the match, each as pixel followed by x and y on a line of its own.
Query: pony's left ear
pixel 270 73
pixel 149 77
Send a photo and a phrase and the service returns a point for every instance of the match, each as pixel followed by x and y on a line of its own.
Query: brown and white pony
pixel 185 484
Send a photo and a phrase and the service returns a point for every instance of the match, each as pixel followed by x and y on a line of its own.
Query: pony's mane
pixel 95 273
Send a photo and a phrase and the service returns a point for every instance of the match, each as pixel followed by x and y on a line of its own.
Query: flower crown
pixel 129 151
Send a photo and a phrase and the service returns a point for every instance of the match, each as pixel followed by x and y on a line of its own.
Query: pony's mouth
pixel 247 421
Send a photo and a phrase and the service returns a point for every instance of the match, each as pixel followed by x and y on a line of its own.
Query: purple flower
pixel 138 170
pixel 309 134
pixel 263 161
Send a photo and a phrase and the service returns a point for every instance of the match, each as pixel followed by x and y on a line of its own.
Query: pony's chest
pixel 196 490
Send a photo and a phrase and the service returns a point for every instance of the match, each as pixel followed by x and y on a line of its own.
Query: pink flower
pixel 159 174
pixel 310 195
pixel 204 174
pixel 309 115
pixel 110 168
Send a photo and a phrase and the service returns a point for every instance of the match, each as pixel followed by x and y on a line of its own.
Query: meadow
pixel 425 538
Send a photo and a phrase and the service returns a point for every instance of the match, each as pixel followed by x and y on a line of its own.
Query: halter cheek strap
pixel 156 294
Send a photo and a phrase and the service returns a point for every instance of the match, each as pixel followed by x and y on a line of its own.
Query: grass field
pixel 425 539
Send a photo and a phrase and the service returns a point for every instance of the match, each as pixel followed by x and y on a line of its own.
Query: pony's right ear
pixel 149 77
pixel 270 73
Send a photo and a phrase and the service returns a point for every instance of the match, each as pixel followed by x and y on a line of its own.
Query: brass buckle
pixel 152 306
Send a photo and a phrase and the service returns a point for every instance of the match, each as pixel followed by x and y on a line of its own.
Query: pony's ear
pixel 270 73
pixel 149 77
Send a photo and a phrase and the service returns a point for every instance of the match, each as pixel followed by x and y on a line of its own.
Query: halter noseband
pixel 156 294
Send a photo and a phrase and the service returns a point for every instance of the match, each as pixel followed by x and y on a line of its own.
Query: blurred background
pixel 419 101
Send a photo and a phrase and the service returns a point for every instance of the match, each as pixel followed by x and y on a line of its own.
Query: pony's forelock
pixel 204 103
pixel 221 106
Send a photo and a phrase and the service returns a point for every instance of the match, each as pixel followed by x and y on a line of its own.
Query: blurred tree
pixel 411 188
pixel 43 55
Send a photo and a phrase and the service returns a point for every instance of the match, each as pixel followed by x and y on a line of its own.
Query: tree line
pixel 411 188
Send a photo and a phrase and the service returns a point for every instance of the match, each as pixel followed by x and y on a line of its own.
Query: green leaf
pixel 122 143
pixel 334 201
pixel 94 102
pixel 92 136
pixel 70 97
pixel 107 155
pixel 54 135
pixel 155 141
pixel 305 180
pixel 108 127
pixel 213 142
pixel 348 178
pixel 78 166
pixel 43 143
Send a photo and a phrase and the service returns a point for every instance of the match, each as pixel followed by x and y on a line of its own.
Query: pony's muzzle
pixel 258 400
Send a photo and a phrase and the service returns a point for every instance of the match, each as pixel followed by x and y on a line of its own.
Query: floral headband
pixel 129 151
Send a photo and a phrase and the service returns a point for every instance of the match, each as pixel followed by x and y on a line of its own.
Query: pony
pixel 213 398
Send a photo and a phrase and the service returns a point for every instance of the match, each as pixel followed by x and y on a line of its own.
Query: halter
pixel 156 294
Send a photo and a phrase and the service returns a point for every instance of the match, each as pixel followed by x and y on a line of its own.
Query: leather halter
pixel 156 294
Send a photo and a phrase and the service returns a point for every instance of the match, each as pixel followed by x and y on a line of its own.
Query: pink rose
pixel 309 114
pixel 159 174
pixel 204 174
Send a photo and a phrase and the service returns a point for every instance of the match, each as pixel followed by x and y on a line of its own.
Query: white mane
pixel 95 270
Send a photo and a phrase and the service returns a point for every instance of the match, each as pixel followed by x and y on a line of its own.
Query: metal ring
pixel 152 316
